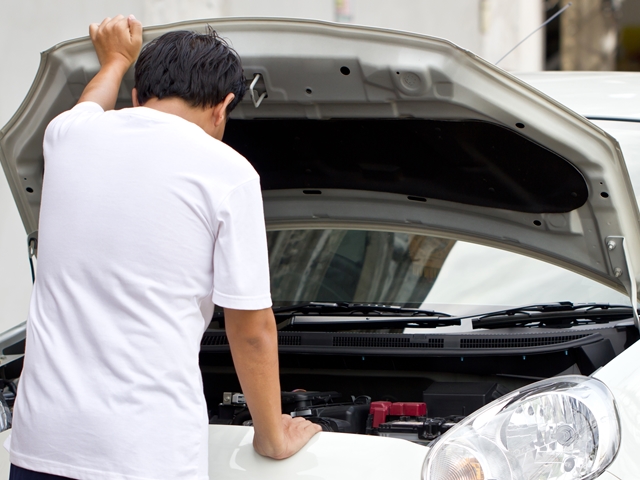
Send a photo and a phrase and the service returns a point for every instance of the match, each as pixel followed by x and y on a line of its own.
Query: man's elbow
pixel 255 328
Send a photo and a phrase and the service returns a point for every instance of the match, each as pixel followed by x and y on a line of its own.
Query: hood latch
pixel 258 91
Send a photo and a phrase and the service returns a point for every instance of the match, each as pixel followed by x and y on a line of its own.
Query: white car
pixel 454 254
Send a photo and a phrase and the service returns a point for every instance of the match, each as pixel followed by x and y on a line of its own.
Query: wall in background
pixel 629 20
pixel 489 28
pixel 588 35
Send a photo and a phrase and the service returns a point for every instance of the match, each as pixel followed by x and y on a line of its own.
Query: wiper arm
pixel 561 314
pixel 340 316
pixel 346 308
pixel 321 316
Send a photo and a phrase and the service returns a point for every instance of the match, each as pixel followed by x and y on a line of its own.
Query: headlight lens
pixel 558 429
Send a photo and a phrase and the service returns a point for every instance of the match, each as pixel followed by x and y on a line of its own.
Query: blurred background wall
pixel 588 35
pixel 585 37
pixel 629 35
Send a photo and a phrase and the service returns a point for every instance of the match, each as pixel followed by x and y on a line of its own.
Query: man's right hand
pixel 117 40
pixel 297 433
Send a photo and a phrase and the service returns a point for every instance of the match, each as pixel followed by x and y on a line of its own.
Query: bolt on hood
pixel 315 71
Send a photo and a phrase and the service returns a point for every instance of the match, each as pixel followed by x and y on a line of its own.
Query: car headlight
pixel 557 429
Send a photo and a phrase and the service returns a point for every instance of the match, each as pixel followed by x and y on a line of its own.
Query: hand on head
pixel 117 40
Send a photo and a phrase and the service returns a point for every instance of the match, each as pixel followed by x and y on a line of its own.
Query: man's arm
pixel 254 346
pixel 117 42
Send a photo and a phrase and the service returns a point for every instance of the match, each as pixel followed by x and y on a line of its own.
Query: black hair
pixel 202 69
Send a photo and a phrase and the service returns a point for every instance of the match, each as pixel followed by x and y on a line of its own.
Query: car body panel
pixel 5 463
pixel 621 377
pixel 394 75
pixel 627 134
pixel 337 456
pixel 596 95
pixel 608 476
pixel 327 455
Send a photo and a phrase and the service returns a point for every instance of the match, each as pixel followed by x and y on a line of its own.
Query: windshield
pixel 419 271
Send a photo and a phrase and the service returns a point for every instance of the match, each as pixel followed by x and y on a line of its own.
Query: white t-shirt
pixel 146 222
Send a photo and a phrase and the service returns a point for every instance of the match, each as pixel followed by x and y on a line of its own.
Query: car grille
pixel 386 342
pixel 214 340
pixel 220 339
pixel 289 340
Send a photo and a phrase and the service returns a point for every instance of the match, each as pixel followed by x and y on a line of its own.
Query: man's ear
pixel 220 110
pixel 134 97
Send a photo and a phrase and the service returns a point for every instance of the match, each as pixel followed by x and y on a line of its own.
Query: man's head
pixel 201 69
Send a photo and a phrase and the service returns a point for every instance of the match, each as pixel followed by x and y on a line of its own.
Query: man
pixel 147 220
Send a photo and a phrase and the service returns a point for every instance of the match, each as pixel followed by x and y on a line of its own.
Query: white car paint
pixel 4 456
pixel 622 376
pixel 592 94
pixel 608 476
pixel 335 456
pixel 614 96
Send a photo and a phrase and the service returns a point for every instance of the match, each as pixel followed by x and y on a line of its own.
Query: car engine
pixel 444 405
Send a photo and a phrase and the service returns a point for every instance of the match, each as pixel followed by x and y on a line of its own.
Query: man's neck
pixel 177 106
pixel 211 119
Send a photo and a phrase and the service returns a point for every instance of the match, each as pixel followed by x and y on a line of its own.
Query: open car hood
pixel 370 128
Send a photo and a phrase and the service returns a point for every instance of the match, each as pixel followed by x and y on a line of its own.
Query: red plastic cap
pixel 415 409
pixel 408 409
pixel 397 408
pixel 377 405
pixel 379 410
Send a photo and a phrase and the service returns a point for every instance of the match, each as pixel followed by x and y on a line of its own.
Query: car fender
pixel 621 377
pixel 328 455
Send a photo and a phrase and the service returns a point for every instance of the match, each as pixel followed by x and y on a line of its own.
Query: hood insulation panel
pixel 470 162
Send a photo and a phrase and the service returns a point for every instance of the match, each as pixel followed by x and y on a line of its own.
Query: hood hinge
pixel 623 270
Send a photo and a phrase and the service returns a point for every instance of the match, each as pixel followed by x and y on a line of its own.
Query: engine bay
pixel 409 386
pixel 414 421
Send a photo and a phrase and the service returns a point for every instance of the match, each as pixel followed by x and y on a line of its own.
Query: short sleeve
pixel 78 116
pixel 240 258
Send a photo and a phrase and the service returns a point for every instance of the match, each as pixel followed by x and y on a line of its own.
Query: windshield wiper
pixel 341 316
pixel 561 314
pixel 346 308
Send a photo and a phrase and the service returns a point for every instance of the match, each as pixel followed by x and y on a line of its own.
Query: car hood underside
pixel 369 128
